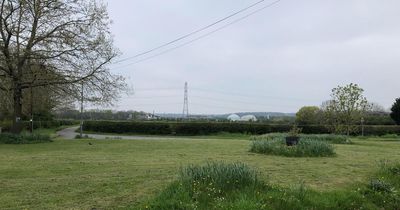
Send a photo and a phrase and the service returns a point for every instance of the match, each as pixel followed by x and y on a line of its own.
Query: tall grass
pixel 305 148
pixel 335 139
pixel 202 186
pixel 8 138
pixel 221 176
pixel 380 193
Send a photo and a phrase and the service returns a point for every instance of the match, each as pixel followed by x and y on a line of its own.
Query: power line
pixel 247 95
pixel 201 37
pixel 239 102
pixel 192 33
pixel 214 91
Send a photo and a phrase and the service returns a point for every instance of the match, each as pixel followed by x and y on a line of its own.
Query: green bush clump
pixel 8 138
pixel 335 139
pixel 305 148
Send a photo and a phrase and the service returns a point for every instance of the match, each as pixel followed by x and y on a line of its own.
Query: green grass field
pixel 112 174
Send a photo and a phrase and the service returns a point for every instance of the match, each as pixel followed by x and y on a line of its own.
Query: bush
pixel 8 138
pixel 305 148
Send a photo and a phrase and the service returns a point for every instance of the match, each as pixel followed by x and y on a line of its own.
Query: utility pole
pixel 31 109
pixel 362 126
pixel 81 128
pixel 185 114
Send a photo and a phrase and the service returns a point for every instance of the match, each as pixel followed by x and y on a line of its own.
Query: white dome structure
pixel 248 118
pixel 233 117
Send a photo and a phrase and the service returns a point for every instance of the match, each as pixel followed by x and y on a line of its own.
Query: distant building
pixel 248 118
pixel 233 117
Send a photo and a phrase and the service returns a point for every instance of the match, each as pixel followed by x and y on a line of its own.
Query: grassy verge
pixel 235 186
pixel 113 174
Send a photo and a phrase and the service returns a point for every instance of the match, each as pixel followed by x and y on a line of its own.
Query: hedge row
pixel 39 124
pixel 197 128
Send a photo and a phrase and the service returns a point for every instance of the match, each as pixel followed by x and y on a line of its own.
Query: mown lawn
pixel 72 174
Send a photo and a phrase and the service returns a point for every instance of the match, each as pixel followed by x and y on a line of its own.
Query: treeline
pixel 202 128
pixel 102 115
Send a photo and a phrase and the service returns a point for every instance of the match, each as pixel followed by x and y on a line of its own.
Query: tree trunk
pixel 17 124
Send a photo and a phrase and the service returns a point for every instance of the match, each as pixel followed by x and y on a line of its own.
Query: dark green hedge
pixel 207 128
pixel 39 124
pixel 8 138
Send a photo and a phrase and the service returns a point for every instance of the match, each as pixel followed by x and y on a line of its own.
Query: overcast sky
pixel 286 56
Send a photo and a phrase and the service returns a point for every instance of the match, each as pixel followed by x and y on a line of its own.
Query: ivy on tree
pixel 395 114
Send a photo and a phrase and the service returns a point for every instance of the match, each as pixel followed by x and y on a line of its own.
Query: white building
pixel 233 117
pixel 248 118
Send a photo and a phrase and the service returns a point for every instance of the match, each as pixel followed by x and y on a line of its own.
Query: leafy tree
pixel 309 115
pixel 57 44
pixel 395 114
pixel 346 108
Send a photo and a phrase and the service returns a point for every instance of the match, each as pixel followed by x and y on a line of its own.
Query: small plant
pixel 78 136
pixel 293 137
pixel 380 186
pixel 295 131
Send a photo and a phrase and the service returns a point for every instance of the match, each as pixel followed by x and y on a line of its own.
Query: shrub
pixel 305 148
pixel 7 138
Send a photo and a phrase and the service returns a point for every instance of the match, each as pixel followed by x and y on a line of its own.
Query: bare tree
pixel 55 43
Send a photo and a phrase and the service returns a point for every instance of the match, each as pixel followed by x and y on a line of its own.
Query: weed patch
pixel 305 148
